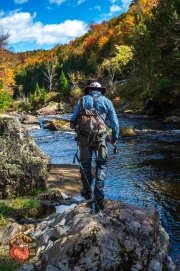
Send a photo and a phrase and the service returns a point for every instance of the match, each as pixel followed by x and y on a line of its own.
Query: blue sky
pixel 42 24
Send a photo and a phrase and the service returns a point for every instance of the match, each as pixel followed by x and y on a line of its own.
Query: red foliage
pixel 90 41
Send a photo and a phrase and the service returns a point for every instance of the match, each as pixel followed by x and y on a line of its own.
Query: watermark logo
pixel 22 247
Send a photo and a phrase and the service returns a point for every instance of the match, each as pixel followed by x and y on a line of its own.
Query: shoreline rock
pixel 58 125
pixel 125 237
pixel 23 165
pixel 50 109
pixel 29 119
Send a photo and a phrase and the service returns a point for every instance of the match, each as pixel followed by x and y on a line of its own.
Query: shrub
pixel 75 94
pixel 5 100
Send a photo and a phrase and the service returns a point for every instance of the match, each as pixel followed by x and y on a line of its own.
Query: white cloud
pixel 126 3
pixel 114 9
pixel 23 28
pixel 97 7
pixel 123 3
pixel 58 2
pixel 20 1
pixel 79 2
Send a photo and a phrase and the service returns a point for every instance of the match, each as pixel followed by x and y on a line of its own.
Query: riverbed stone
pixel 29 119
pixel 23 166
pixel 27 267
pixel 172 119
pixel 80 239
pixel 51 109
pixel 58 125
pixel 11 230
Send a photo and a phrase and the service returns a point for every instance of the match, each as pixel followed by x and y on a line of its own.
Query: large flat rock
pixel 122 238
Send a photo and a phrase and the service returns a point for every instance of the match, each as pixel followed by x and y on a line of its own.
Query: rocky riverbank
pixel 124 237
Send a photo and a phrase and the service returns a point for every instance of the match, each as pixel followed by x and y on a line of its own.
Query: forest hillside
pixel 135 55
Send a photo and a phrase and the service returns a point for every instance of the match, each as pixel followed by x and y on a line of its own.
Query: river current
pixel 145 171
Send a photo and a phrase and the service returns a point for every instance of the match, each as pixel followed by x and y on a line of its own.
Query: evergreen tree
pixel 64 85
pixel 37 90
pixel 156 53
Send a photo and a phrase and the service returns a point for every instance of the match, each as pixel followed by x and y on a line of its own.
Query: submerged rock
pixel 172 119
pixel 23 165
pixel 127 132
pixel 124 237
pixel 57 125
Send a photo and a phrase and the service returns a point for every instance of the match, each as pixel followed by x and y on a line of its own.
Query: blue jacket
pixel 106 111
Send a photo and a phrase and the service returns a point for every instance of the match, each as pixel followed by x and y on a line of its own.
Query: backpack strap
pixel 82 103
pixel 94 100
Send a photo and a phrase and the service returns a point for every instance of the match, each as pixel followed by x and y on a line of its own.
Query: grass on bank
pixel 19 207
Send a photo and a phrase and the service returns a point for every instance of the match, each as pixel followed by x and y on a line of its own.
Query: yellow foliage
pixel 102 41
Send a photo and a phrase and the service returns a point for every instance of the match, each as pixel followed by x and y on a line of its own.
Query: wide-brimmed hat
pixel 96 87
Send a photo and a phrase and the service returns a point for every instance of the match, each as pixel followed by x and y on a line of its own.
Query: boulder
pixel 29 119
pixel 128 111
pixel 123 237
pixel 172 119
pixel 58 125
pixel 127 132
pixel 23 166
pixel 51 109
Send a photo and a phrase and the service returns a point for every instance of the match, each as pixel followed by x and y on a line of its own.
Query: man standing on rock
pixel 88 119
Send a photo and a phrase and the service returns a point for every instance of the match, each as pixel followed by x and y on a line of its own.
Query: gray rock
pixel 172 119
pixel 51 108
pixel 9 232
pixel 126 236
pixel 23 166
pixel 52 268
pixel 29 119
pixel 27 267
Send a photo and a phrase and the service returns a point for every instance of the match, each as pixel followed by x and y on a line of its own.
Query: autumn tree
pixel 114 66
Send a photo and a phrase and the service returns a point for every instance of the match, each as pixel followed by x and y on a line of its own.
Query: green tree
pixel 5 100
pixel 43 95
pixel 37 90
pixel 115 65
pixel 63 84
pixel 156 55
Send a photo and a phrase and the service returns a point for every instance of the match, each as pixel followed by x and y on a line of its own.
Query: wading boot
pixel 99 205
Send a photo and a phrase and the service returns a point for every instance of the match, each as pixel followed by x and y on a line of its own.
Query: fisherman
pixel 94 98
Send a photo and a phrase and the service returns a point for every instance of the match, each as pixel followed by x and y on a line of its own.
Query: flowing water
pixel 145 172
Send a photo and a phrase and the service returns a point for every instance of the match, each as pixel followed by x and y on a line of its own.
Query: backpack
pixel 89 123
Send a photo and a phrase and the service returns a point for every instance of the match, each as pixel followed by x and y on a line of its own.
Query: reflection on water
pixel 145 171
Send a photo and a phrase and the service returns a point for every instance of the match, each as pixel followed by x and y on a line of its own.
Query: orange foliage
pixel 8 62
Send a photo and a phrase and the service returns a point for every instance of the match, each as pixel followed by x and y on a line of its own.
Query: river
pixel 145 171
